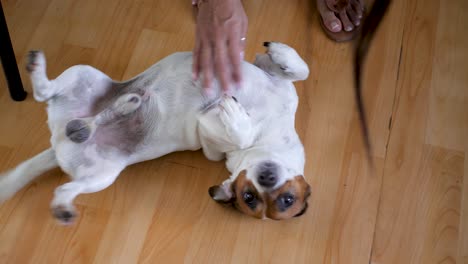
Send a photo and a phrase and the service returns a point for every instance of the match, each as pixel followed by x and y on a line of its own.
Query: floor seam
pixel 390 126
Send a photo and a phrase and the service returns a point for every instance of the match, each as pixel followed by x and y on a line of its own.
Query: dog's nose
pixel 268 175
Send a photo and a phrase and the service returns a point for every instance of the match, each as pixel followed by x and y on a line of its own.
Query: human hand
pixel 220 42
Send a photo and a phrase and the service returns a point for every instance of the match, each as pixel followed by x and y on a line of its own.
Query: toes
pixel 359 3
pixel 347 25
pixel 228 105
pixel 231 109
pixel 358 8
pixel 331 21
pixel 353 16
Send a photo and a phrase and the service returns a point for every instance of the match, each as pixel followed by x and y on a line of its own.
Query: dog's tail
pixel 369 28
pixel 15 179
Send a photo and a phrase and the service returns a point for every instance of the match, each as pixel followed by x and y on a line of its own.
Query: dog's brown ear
pixel 222 193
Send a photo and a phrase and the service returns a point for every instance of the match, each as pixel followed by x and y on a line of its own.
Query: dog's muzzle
pixel 267 174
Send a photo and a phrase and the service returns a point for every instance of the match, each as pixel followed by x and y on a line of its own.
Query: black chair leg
pixel 10 67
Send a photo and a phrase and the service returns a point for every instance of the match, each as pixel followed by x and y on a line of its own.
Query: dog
pixel 100 126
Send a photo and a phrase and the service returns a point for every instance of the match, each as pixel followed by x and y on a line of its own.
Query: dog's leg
pixel 225 128
pixel 80 130
pixel 237 123
pixel 282 61
pixel 124 105
pixel 43 88
pixel 210 150
pixel 62 204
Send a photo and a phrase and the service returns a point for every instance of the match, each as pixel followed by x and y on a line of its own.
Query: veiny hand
pixel 219 47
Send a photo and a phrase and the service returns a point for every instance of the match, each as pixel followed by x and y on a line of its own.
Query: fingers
pixel 222 62
pixel 196 60
pixel 221 26
pixel 235 53
pixel 206 64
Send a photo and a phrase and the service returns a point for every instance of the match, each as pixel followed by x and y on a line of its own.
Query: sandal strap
pixel 337 5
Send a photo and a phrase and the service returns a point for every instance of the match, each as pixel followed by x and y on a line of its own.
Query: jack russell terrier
pixel 100 126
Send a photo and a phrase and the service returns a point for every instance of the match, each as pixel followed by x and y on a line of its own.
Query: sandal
pixel 338 6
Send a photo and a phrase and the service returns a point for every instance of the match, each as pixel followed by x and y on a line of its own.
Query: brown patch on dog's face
pixel 248 199
pixel 290 200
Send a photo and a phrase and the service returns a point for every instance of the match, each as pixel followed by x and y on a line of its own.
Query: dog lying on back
pixel 100 126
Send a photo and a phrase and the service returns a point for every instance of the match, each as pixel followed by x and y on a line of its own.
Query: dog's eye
pixel 286 200
pixel 250 199
pixel 283 68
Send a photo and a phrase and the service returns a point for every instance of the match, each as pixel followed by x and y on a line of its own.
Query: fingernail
pixel 242 55
pixel 194 76
pixel 194 2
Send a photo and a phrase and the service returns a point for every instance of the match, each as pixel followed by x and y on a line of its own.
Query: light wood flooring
pixel 414 209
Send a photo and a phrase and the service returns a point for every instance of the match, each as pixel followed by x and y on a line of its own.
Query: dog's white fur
pixel 161 111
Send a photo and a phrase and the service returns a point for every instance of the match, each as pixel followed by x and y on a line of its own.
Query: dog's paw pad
pixel 64 215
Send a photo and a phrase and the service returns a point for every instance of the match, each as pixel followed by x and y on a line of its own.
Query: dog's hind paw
pixel 64 215
pixel 36 60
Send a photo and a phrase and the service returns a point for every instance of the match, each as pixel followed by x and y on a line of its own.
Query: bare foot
pixel 338 15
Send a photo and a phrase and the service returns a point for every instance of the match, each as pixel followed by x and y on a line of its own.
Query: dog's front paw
pixel 64 215
pixel 278 53
pixel 236 121
pixel 288 63
pixel 36 60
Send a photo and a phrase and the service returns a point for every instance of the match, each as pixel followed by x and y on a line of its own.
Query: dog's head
pixel 265 190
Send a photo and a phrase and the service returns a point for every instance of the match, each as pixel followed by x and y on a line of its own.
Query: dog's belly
pixel 172 102
pixel 178 101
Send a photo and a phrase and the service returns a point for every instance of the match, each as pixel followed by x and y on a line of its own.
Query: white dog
pixel 100 126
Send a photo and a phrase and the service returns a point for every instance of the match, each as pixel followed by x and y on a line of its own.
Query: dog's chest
pixel 268 102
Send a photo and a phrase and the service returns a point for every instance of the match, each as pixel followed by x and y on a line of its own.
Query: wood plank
pixel 419 211
pixel 448 113
pixel 462 256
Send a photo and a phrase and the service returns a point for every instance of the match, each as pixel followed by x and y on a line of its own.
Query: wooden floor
pixel 414 209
